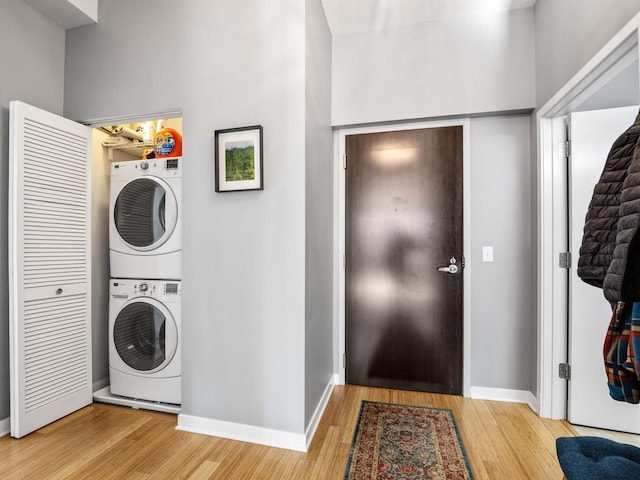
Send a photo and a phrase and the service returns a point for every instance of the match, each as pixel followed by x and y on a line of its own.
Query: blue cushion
pixel 595 458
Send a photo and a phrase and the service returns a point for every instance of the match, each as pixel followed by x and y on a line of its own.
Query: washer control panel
pixel 164 290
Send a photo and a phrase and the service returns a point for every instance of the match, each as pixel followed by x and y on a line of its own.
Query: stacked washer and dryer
pixel 145 243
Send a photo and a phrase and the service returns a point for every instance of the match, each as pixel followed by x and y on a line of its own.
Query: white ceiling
pixel 68 13
pixel 349 16
pixel 344 16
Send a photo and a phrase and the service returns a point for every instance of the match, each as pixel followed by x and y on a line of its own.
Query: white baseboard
pixel 534 403
pixel 263 436
pixel 317 415
pixel 501 395
pixel 242 432
pixel 5 427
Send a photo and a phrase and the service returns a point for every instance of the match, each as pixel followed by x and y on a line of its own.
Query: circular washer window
pixel 140 337
pixel 145 213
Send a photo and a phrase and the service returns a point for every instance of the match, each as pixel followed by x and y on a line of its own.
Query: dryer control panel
pixel 170 167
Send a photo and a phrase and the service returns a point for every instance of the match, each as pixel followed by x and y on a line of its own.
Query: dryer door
pixel 145 335
pixel 145 213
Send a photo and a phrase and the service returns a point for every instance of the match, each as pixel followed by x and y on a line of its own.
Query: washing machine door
pixel 145 213
pixel 145 335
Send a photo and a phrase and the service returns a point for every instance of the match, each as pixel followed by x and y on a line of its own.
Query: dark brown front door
pixel 404 317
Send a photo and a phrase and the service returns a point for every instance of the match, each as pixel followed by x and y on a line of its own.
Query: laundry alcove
pixel 59 263
pixel 117 254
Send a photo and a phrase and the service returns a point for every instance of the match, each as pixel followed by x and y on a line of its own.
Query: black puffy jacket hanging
pixel 610 250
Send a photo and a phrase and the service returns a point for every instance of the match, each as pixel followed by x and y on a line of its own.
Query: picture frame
pixel 239 159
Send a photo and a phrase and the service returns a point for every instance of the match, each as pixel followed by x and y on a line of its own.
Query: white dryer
pixel 144 339
pixel 145 221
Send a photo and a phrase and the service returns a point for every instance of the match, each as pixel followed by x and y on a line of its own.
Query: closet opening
pixel 136 261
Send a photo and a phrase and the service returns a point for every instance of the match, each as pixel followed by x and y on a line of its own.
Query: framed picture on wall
pixel 239 159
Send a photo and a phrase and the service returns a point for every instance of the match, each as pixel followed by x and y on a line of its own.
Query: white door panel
pixel 49 267
pixel 592 135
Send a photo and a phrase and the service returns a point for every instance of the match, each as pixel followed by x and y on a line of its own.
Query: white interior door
pixel 592 135
pixel 49 267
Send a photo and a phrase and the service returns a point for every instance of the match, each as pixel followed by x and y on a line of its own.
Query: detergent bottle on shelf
pixel 167 143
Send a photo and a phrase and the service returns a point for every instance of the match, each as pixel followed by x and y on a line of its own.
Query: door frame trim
pixel 339 236
pixel 551 288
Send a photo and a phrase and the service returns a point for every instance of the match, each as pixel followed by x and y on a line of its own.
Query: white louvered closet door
pixel 49 267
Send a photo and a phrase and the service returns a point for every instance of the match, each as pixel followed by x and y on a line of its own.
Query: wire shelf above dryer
pixel 135 149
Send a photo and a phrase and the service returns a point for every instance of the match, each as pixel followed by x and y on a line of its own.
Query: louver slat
pixel 50 268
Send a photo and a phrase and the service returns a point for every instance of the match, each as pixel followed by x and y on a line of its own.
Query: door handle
pixel 451 268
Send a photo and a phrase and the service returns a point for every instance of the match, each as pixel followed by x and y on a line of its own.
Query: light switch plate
pixel 487 254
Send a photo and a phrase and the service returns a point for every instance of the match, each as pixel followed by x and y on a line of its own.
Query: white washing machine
pixel 144 339
pixel 145 224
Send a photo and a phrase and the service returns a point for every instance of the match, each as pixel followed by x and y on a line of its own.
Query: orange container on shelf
pixel 167 143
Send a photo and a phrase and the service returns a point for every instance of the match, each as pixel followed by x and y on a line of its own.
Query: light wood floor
pixel 503 440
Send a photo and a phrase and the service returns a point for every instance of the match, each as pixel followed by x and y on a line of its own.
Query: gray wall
pixel 466 65
pixel 31 70
pixel 501 291
pixel 225 64
pixel 569 33
pixel 319 209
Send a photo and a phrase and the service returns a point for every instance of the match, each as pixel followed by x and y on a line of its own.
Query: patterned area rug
pixel 399 442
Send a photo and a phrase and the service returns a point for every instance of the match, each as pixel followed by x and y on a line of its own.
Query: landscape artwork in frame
pixel 239 159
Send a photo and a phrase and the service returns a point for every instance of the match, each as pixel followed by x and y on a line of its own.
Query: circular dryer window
pixel 144 337
pixel 145 213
